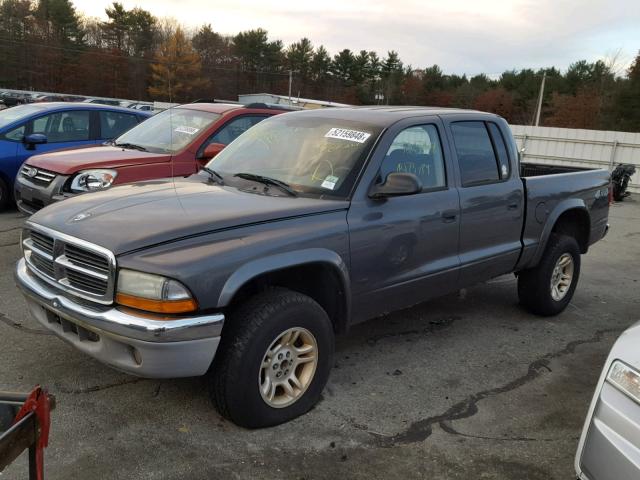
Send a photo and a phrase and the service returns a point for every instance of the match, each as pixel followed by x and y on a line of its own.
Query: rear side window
pixel 477 160
pixel 114 124
pixel 501 149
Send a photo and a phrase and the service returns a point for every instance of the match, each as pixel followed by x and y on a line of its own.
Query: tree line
pixel 48 45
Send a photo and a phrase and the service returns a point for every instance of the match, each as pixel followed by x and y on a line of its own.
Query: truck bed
pixel 537 169
pixel 550 189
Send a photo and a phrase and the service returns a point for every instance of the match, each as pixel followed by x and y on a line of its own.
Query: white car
pixel 609 447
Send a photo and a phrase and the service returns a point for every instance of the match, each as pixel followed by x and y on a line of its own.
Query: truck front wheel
pixel 274 359
pixel 548 288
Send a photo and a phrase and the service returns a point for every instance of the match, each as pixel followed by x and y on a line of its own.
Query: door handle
pixel 513 206
pixel 449 216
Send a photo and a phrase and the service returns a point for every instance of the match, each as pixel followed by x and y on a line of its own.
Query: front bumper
pixel 144 346
pixel 31 196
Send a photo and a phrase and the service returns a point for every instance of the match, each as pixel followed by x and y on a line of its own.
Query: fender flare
pixel 272 263
pixel 552 218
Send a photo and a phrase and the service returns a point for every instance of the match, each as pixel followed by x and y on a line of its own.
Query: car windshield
pixel 316 155
pixel 18 113
pixel 169 131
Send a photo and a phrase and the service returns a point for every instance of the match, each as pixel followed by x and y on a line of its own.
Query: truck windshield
pixel 169 131
pixel 312 154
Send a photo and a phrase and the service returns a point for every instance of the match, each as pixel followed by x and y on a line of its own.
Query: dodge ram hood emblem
pixel 81 216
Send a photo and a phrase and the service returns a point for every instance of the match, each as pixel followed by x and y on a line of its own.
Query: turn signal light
pixel 157 306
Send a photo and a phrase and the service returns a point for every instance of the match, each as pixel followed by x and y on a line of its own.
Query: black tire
pixel 5 195
pixel 618 193
pixel 234 377
pixel 534 285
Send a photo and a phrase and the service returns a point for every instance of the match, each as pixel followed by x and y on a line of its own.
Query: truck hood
pixel 69 161
pixel 140 215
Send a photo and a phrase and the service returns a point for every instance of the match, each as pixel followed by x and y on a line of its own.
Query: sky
pixel 461 36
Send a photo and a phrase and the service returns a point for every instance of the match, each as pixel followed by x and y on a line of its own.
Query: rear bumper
pixel 142 346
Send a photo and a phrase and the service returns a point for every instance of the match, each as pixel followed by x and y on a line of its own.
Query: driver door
pixel 404 250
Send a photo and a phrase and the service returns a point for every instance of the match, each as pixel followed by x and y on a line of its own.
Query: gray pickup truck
pixel 308 223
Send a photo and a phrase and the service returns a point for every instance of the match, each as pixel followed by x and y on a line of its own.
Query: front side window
pixel 476 157
pixel 313 154
pixel 169 131
pixel 417 150
pixel 72 126
pixel 113 124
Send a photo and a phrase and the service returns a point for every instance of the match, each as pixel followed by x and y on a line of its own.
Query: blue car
pixel 27 130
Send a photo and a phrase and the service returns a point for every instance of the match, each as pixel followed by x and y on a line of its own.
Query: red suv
pixel 173 143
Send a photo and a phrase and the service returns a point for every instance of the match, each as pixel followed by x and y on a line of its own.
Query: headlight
pixel 153 293
pixel 89 180
pixel 626 379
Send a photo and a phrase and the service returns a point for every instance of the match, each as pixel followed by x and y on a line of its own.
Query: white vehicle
pixel 609 447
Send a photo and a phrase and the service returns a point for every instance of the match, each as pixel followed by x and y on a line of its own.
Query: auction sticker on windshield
pixel 350 135
pixel 187 130
pixel 330 182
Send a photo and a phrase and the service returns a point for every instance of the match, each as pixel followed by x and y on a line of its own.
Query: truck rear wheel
pixel 274 359
pixel 548 288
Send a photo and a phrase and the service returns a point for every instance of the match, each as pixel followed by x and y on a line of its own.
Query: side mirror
pixel 397 184
pixel 212 150
pixel 34 139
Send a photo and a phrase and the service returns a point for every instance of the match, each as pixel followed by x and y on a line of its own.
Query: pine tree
pixel 176 73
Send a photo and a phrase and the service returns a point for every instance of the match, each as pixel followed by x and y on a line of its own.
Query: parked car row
pixel 36 128
pixel 176 142
pixel 12 98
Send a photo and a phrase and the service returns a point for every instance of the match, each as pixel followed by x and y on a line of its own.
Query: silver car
pixel 609 447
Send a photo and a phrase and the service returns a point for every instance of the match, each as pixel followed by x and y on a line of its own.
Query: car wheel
pixel 274 359
pixel 548 288
pixel 5 195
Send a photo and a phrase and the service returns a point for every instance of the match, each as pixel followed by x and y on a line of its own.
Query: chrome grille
pixel 37 175
pixel 81 268
pixel 81 258
pixel 42 242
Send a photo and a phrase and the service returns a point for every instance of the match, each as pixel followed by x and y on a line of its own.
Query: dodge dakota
pixel 303 226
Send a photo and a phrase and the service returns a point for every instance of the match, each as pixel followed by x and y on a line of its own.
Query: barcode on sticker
pixel 351 135
pixel 187 130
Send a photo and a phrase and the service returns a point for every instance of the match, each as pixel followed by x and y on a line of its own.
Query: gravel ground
pixel 465 387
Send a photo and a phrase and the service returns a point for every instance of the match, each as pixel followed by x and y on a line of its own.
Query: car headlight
pixel 625 379
pixel 90 180
pixel 153 293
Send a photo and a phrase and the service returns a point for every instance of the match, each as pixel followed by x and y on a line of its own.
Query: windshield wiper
pixel 132 146
pixel 268 181
pixel 213 175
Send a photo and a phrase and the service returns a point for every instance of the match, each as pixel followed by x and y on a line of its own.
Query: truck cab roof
pixel 384 116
